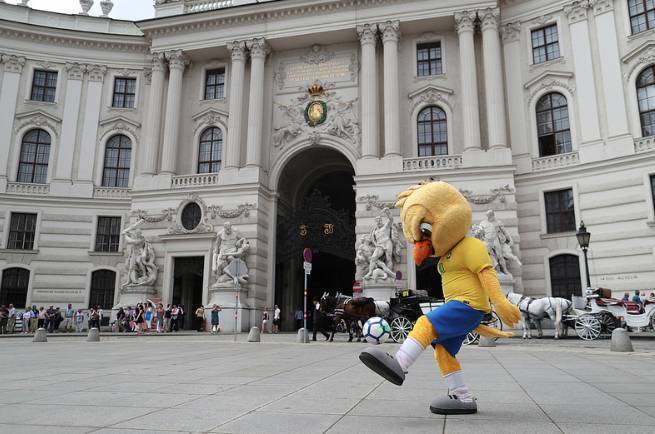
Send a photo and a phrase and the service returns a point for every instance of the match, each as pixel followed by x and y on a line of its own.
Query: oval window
pixel 191 215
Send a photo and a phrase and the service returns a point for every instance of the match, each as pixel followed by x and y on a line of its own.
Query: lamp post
pixel 583 237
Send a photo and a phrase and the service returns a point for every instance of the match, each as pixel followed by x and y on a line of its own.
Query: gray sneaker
pixel 383 364
pixel 450 404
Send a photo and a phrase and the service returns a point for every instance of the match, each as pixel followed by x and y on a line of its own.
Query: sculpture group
pixel 498 241
pixel 379 250
pixel 140 261
pixel 228 256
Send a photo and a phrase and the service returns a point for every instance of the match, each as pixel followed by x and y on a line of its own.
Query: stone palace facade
pixel 298 122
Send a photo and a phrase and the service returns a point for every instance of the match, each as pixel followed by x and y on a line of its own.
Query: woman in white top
pixel 26 319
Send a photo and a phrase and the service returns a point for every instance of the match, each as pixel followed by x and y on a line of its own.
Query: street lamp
pixel 583 237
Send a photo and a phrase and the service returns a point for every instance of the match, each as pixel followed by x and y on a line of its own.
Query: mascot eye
pixel 426 229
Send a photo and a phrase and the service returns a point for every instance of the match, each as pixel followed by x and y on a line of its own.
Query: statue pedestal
pixel 506 282
pixel 224 295
pixel 131 295
pixel 382 290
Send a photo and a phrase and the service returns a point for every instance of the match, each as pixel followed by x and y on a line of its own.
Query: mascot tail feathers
pixel 492 332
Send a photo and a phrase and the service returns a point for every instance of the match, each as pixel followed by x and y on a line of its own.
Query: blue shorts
pixel 453 321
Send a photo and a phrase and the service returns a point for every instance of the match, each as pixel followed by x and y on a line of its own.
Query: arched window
pixel 646 98
pixel 102 289
pixel 209 152
pixel 565 276
pixel 553 126
pixel 118 153
pixel 14 287
pixel 34 156
pixel 432 132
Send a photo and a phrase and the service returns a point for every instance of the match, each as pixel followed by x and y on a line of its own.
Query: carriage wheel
pixel 587 327
pixel 400 328
pixel 607 322
pixel 471 337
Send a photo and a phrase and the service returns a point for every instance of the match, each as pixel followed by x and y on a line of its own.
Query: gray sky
pixel 123 9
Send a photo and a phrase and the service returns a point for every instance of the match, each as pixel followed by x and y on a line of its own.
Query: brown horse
pixel 350 310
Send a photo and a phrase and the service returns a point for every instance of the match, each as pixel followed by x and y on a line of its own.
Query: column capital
pixel 576 11
pixel 238 50
pixel 489 18
pixel 75 71
pixel 602 6
pixel 96 72
pixel 390 31
pixel 13 63
pixel 158 61
pixel 511 31
pixel 258 47
pixel 177 60
pixel 367 33
pixel 464 21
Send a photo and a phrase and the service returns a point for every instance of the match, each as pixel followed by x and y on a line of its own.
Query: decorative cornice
pixel 464 21
pixel 489 18
pixel 555 74
pixel 13 63
pixel 258 47
pixel 219 211
pixel 367 33
pixel 209 117
pixel 602 6
pixel 177 60
pixel 390 31
pixel 429 94
pixel 96 72
pixel 37 118
pixel 576 11
pixel 237 51
pixel 118 124
pixel 511 32
pixel 484 199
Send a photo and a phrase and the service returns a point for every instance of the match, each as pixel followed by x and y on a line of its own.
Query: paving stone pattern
pixel 211 384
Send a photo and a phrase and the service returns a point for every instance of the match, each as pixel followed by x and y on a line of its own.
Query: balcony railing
pixel 432 163
pixel 198 180
pixel 112 193
pixel 644 144
pixel 26 188
pixel 555 161
pixel 206 5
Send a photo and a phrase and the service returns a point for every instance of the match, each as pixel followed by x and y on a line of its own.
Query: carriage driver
pixel 436 217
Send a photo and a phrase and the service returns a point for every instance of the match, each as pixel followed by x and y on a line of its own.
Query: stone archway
pixel 316 209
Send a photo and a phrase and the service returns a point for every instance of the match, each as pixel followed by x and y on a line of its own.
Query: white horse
pixel 537 308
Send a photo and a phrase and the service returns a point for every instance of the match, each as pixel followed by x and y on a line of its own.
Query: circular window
pixel 191 215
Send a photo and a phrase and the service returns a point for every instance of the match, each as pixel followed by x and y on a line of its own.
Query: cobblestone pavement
pixel 212 384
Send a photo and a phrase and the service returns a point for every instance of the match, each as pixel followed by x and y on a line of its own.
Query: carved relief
pixel 464 21
pixel 13 63
pixel 373 201
pixel 511 31
pixel 484 199
pixel 489 18
pixel 367 33
pixel 219 211
pixel 75 71
pixel 390 31
pixel 209 117
pixel 37 118
pixel 237 50
pixel 318 55
pixel 117 125
pixel 550 84
pixel 577 10
pixel 429 94
pixel 96 72
pixel 177 59
pixel 258 47
pixel 202 227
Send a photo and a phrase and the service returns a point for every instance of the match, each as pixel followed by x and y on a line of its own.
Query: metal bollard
pixel 303 336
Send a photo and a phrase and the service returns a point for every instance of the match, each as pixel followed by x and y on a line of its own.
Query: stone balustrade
pixel 555 161
pixel 206 5
pixel 432 163
pixel 644 144
pixel 111 193
pixel 197 180
pixel 27 188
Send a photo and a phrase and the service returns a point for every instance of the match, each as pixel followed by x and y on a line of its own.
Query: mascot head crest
pixel 436 211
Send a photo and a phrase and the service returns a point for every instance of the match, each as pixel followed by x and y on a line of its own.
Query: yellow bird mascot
pixel 436 217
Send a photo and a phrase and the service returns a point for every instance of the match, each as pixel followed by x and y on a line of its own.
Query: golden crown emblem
pixel 315 90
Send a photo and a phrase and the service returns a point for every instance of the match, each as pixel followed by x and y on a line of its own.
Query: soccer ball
pixel 376 330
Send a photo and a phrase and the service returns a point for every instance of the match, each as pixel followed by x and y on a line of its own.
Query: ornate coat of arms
pixel 316 110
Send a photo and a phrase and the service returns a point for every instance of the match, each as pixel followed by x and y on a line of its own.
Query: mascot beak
pixel 423 248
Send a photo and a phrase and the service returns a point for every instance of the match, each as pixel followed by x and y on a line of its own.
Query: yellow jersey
pixel 459 270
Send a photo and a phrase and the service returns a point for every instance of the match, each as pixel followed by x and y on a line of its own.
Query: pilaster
pixel 72 104
pixel 259 49
pixel 464 24
pixel 153 120
pixel 177 62
pixel 369 90
pixel 93 102
pixel 237 72
pixel 390 36
pixel 13 66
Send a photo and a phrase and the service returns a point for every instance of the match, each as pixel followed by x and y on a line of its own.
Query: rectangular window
pixel 215 84
pixel 652 189
pixel 124 92
pixel 545 44
pixel 44 85
pixel 428 59
pixel 108 234
pixel 21 231
pixel 560 214
pixel 642 15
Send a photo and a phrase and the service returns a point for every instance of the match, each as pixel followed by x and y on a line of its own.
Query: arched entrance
pixel 316 209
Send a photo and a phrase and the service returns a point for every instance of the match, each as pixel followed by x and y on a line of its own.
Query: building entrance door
pixel 187 287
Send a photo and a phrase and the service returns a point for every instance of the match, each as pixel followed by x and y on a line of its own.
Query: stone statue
pixel 385 246
pixel 140 262
pixel 228 259
pixel 498 241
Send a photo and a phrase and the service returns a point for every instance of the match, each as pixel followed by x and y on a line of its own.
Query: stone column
pixel 237 72
pixel 610 68
pixel 258 51
pixel 493 78
pixel 153 121
pixel 583 67
pixel 92 105
pixel 369 90
pixel 390 36
pixel 464 24
pixel 64 165
pixel 513 66
pixel 8 98
pixel 176 64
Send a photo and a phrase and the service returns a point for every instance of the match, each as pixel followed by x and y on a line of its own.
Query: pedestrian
pixel 11 320
pixel 160 318
pixel 200 318
pixel 298 316
pixel 175 316
pixel 58 319
pixel 168 314
pixel 215 320
pixel 139 319
pixel 317 317
pixel 42 318
pixel 626 297
pixel 79 320
pixel 27 316
pixel 181 315
pixel 4 316
pixel 34 319
pixel 265 320
pixel 636 298
pixel 50 319
pixel 68 318
pixel 276 319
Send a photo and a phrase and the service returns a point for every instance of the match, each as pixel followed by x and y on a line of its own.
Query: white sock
pixel 408 353
pixel 456 386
